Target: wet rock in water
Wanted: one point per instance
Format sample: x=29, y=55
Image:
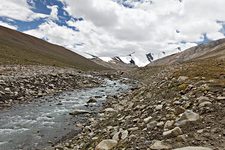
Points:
x=60, y=103
x=98, y=96
x=121, y=135
x=193, y=148
x=187, y=116
x=173, y=133
x=78, y=112
x=92, y=100
x=159, y=145
x=106, y=145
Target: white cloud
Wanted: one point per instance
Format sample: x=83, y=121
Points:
x=54, y=12
x=19, y=10
x=110, y=29
x=4, y=24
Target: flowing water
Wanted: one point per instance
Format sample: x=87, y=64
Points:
x=39, y=124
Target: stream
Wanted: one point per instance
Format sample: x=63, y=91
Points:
x=44, y=122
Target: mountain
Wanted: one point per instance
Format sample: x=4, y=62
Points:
x=214, y=49
x=114, y=63
x=19, y=48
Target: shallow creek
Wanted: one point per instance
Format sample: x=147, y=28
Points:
x=44, y=122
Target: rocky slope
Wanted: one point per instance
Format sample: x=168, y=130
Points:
x=214, y=49
x=175, y=107
x=19, y=48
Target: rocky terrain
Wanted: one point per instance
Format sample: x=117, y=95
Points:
x=20, y=84
x=213, y=49
x=175, y=107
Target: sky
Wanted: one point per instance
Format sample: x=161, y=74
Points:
x=108, y=28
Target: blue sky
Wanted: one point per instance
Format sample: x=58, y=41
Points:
x=41, y=6
x=108, y=28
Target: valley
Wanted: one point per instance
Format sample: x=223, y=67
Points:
x=63, y=101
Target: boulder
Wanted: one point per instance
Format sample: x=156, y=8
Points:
x=182, y=78
x=106, y=145
x=193, y=148
x=204, y=104
x=159, y=145
x=173, y=133
x=187, y=116
x=221, y=98
x=121, y=135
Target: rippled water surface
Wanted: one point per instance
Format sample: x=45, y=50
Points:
x=40, y=123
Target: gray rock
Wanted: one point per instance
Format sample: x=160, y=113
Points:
x=133, y=129
x=202, y=99
x=106, y=145
x=158, y=107
x=92, y=100
x=193, y=148
x=204, y=104
x=182, y=78
x=146, y=120
x=78, y=112
x=110, y=110
x=221, y=98
x=187, y=116
x=159, y=145
x=121, y=135
x=168, y=125
x=173, y=133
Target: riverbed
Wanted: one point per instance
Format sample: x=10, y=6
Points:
x=47, y=120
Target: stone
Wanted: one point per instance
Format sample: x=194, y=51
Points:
x=179, y=110
x=110, y=110
x=159, y=145
x=7, y=89
x=92, y=100
x=133, y=129
x=173, y=133
x=121, y=135
x=204, y=104
x=106, y=145
x=158, y=107
x=202, y=99
x=193, y=148
x=182, y=78
x=159, y=124
x=220, y=98
x=168, y=125
x=146, y=120
x=78, y=112
x=187, y=116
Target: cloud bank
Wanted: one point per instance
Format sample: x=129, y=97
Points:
x=117, y=27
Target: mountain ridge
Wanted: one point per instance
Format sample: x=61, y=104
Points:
x=212, y=49
x=19, y=48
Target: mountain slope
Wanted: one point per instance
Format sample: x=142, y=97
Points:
x=19, y=48
x=115, y=63
x=214, y=49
